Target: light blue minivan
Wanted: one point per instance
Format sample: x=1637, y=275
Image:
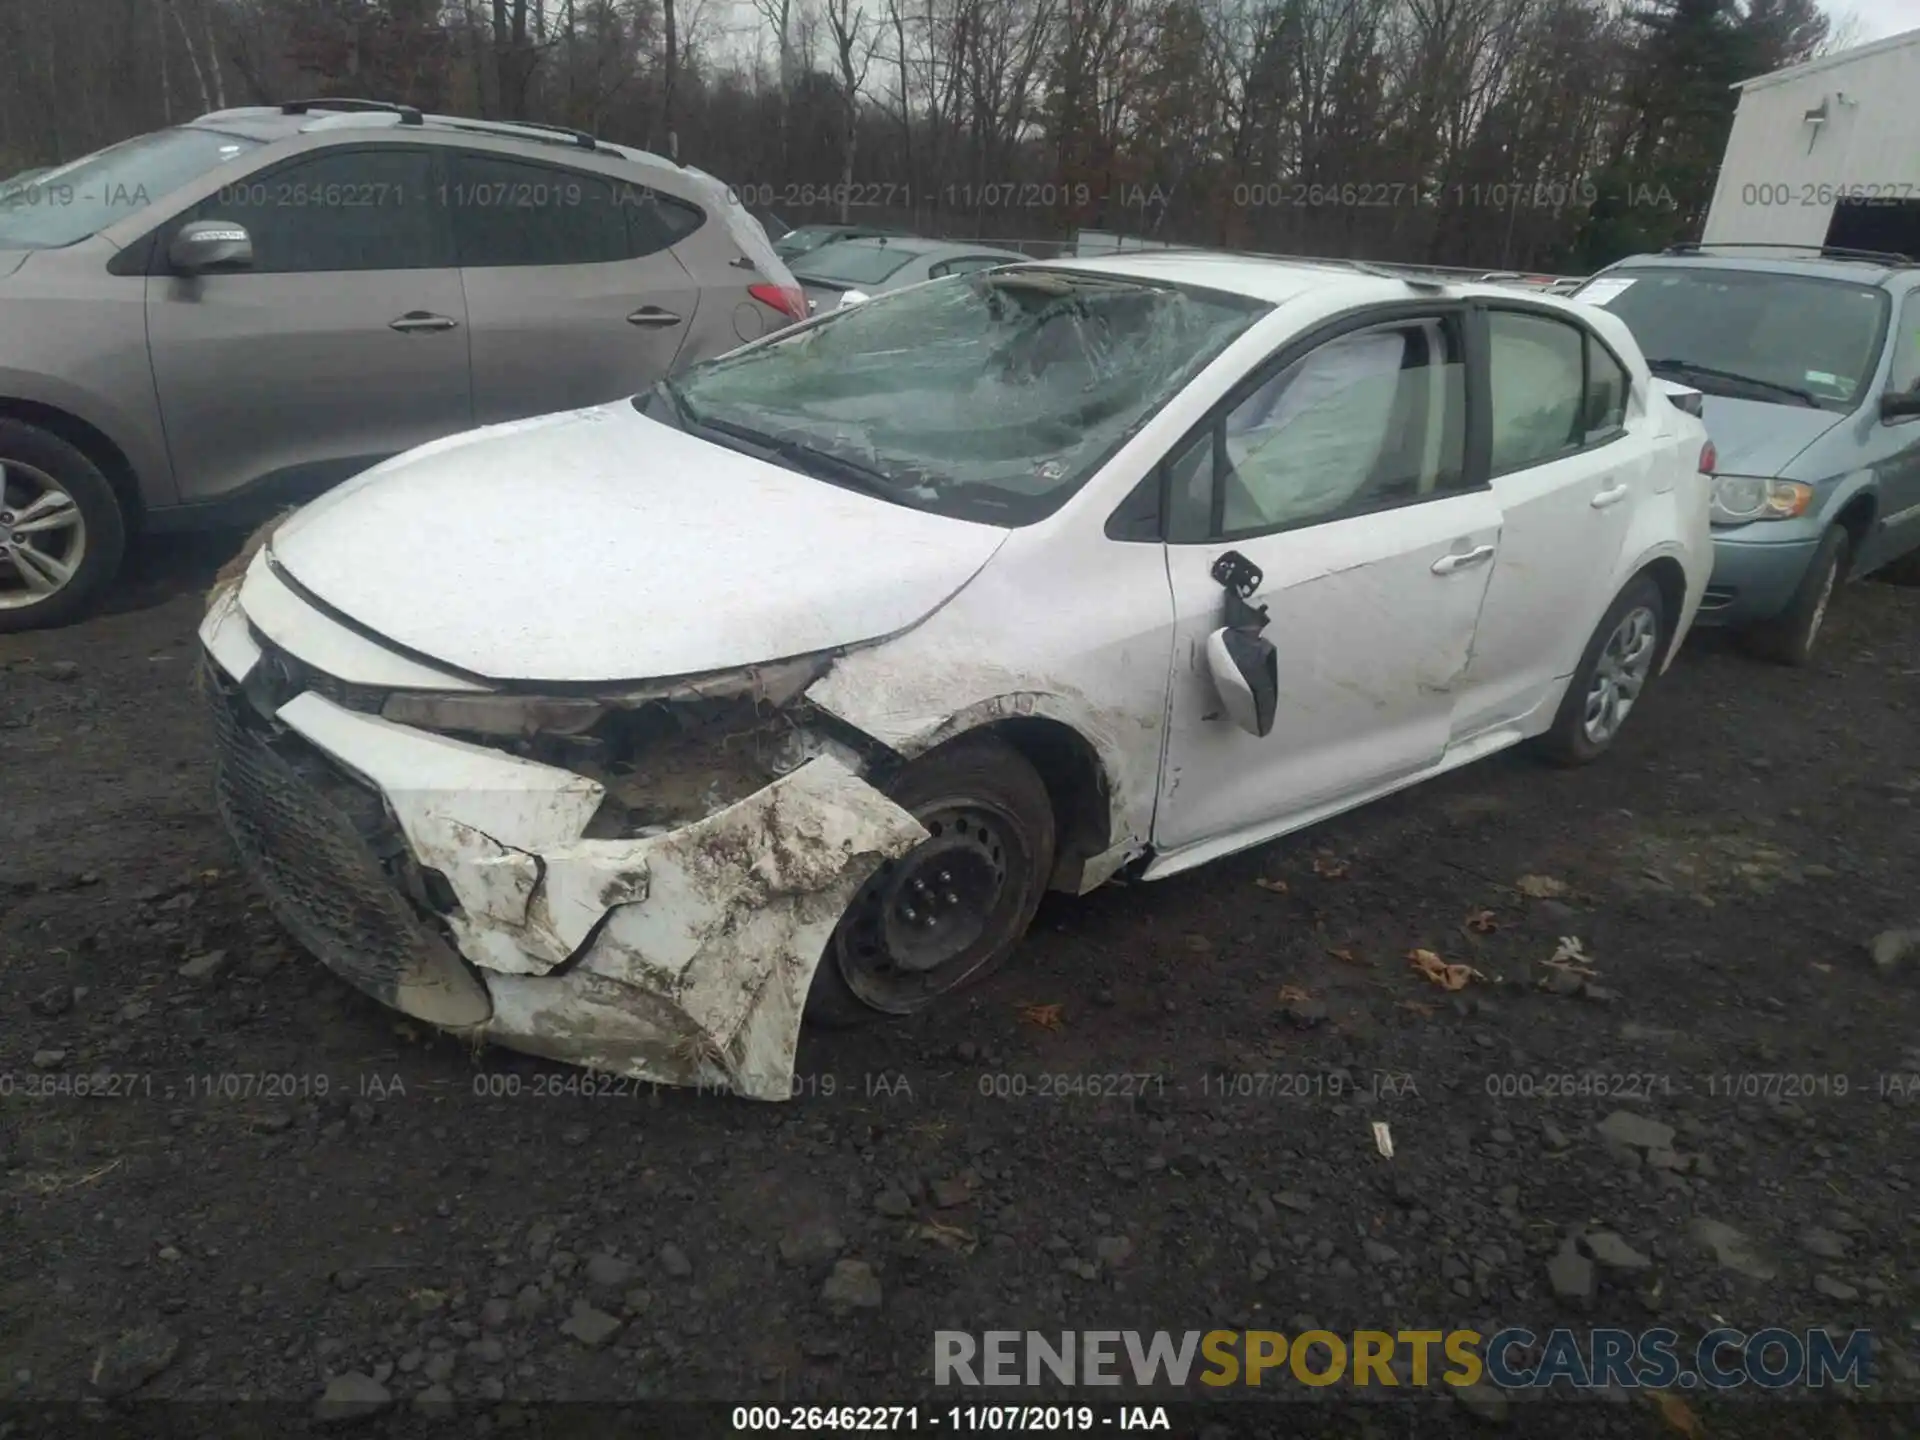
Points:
x=1809, y=366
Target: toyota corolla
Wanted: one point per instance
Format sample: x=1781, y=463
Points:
x=634, y=736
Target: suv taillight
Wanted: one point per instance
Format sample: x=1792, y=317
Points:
x=1709, y=461
x=789, y=300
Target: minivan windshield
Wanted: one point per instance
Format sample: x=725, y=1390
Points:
x=65, y=205
x=1752, y=334
x=988, y=397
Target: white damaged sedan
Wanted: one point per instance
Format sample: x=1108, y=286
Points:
x=634, y=735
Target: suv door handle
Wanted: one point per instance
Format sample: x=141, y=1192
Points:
x=1447, y=564
x=417, y=320
x=1613, y=495
x=653, y=315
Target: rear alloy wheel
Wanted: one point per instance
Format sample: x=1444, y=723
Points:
x=952, y=909
x=61, y=531
x=1789, y=637
x=1620, y=662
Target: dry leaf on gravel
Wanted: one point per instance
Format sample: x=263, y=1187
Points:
x=1483, y=922
x=1571, y=957
x=1278, y=887
x=1327, y=868
x=1293, y=995
x=1678, y=1415
x=1541, y=887
x=1346, y=956
x=1047, y=1017
x=1199, y=944
x=1447, y=977
x=950, y=1237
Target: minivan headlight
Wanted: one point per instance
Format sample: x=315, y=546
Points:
x=1740, y=499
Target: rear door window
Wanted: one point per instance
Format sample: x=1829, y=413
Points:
x=512, y=212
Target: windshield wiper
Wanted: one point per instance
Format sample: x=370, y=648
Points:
x=853, y=474
x=1734, y=377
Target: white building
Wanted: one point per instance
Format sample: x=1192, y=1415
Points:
x=1827, y=153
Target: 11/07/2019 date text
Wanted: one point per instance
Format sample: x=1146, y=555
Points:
x=903, y=1419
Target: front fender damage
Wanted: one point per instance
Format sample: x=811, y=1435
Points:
x=696, y=948
x=680, y=954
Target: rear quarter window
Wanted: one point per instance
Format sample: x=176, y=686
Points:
x=655, y=220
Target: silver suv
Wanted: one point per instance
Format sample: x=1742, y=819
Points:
x=204, y=323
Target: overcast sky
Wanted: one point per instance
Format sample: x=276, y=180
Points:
x=1875, y=19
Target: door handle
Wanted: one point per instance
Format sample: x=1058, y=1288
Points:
x=1613, y=495
x=653, y=315
x=420, y=320
x=1447, y=564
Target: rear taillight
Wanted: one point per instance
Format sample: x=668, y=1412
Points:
x=789, y=300
x=1709, y=462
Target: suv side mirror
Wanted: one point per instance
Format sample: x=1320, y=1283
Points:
x=207, y=245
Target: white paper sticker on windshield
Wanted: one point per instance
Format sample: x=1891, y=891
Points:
x=1821, y=377
x=1601, y=291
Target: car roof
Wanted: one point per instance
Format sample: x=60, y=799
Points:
x=1862, y=269
x=979, y=247
x=1259, y=278
x=850, y=231
x=1343, y=282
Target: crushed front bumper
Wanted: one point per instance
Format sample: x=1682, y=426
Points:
x=451, y=882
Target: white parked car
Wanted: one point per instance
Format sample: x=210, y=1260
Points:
x=631, y=735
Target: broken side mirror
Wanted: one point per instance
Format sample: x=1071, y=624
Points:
x=205, y=245
x=1244, y=665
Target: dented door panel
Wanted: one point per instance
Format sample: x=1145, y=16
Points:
x=1371, y=644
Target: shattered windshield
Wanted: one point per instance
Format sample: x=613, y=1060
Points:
x=987, y=397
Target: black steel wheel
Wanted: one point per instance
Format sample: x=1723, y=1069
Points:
x=953, y=908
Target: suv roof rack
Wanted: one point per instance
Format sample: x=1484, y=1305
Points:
x=347, y=105
x=1824, y=252
x=535, y=130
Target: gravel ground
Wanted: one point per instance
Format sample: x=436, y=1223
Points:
x=1159, y=1117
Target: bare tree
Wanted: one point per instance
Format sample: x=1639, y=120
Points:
x=853, y=42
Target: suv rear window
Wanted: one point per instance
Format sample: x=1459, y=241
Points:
x=1753, y=334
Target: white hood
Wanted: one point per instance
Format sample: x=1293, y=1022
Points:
x=599, y=545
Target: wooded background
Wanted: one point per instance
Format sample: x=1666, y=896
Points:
x=1523, y=134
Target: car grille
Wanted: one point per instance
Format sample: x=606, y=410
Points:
x=313, y=839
